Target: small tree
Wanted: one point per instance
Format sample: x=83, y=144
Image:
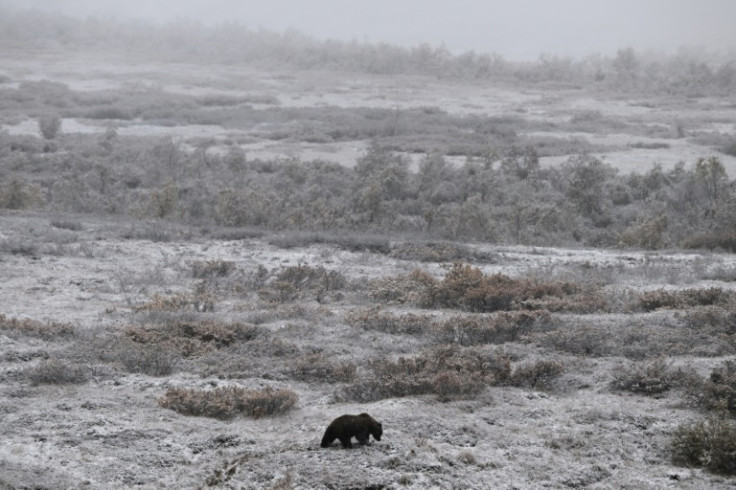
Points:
x=49, y=125
x=711, y=174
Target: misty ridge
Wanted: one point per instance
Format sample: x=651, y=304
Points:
x=691, y=71
x=396, y=156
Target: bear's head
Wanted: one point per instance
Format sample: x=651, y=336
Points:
x=377, y=431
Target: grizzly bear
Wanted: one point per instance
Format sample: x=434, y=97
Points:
x=346, y=427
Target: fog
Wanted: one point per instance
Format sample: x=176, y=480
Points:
x=517, y=30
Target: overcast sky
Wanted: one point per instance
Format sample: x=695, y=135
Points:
x=516, y=29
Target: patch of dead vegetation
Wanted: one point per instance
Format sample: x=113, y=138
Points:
x=467, y=288
x=34, y=328
x=228, y=401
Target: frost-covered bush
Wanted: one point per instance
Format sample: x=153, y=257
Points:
x=720, y=390
x=49, y=126
x=538, y=375
x=709, y=443
x=57, y=372
x=319, y=367
x=651, y=379
x=446, y=371
x=228, y=401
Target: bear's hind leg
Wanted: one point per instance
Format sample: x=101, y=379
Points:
x=346, y=442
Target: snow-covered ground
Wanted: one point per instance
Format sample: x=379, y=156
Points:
x=109, y=432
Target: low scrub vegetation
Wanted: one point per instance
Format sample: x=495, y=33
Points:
x=445, y=371
x=653, y=378
x=538, y=375
x=153, y=360
x=57, y=372
x=465, y=287
x=204, y=269
x=719, y=391
x=709, y=443
x=418, y=270
x=229, y=401
x=653, y=300
x=294, y=282
x=397, y=324
x=191, y=337
x=322, y=368
x=33, y=328
x=199, y=301
x=491, y=329
x=440, y=252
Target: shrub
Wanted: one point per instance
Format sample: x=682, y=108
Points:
x=203, y=269
x=303, y=278
x=652, y=379
x=191, y=337
x=725, y=240
x=730, y=149
x=539, y=375
x=49, y=126
x=201, y=302
x=654, y=145
x=18, y=247
x=409, y=288
x=351, y=242
x=491, y=329
x=110, y=112
x=711, y=319
x=450, y=384
x=653, y=300
x=153, y=360
x=67, y=225
x=35, y=328
x=467, y=288
x=17, y=194
x=318, y=367
x=446, y=371
x=440, y=252
x=229, y=401
x=55, y=371
x=709, y=443
x=648, y=234
x=406, y=324
x=152, y=232
x=720, y=390
x=584, y=340
x=291, y=282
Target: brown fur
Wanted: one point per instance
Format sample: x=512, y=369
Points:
x=345, y=427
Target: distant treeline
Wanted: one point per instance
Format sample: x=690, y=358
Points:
x=505, y=198
x=693, y=72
